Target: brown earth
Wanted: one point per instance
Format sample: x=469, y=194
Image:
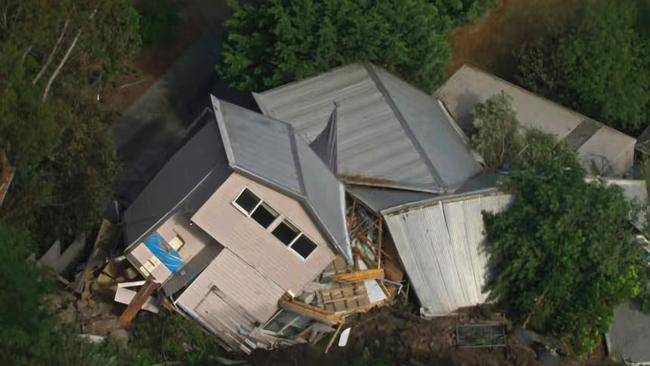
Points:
x=392, y=337
x=489, y=41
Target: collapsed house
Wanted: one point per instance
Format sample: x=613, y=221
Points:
x=407, y=162
x=603, y=150
x=238, y=227
x=246, y=228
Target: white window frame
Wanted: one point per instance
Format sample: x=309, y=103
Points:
x=279, y=333
x=290, y=245
x=243, y=210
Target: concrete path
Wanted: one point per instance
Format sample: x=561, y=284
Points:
x=155, y=126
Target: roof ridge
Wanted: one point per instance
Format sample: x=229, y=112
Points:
x=369, y=67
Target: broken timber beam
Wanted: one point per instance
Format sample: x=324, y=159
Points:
x=137, y=303
x=369, y=274
x=6, y=175
x=310, y=311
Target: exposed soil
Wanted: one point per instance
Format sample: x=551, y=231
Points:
x=489, y=41
x=400, y=339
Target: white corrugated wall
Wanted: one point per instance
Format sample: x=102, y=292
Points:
x=441, y=247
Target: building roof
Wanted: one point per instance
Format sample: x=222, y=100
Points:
x=628, y=336
x=386, y=200
x=269, y=151
x=441, y=244
x=262, y=148
x=183, y=184
x=389, y=133
x=602, y=149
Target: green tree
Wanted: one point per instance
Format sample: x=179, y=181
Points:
x=564, y=252
x=499, y=137
x=599, y=66
x=462, y=11
x=55, y=57
x=273, y=42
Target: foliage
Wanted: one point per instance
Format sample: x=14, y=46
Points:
x=273, y=42
x=159, y=21
x=55, y=133
x=462, y=11
x=172, y=338
x=501, y=140
x=498, y=137
x=599, y=66
x=564, y=251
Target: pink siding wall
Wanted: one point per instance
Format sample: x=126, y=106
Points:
x=238, y=281
x=256, y=245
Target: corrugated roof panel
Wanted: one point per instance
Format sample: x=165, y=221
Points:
x=325, y=195
x=375, y=146
x=444, y=145
x=441, y=246
x=259, y=146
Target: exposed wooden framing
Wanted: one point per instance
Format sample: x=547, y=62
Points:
x=310, y=311
x=136, y=304
x=336, y=334
x=380, y=235
x=369, y=274
x=346, y=298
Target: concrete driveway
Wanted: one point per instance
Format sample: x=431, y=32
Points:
x=155, y=126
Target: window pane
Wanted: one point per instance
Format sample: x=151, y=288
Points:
x=247, y=200
x=280, y=321
x=304, y=246
x=264, y=215
x=285, y=232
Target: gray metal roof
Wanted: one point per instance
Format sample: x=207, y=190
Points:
x=268, y=150
x=628, y=336
x=386, y=200
x=183, y=184
x=442, y=247
x=390, y=134
x=324, y=145
x=602, y=149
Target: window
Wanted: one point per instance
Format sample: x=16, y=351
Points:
x=264, y=215
x=255, y=208
x=303, y=246
x=288, y=324
x=247, y=201
x=294, y=239
x=286, y=233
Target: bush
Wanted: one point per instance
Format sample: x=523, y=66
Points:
x=462, y=11
x=273, y=42
x=564, y=251
x=159, y=21
x=600, y=66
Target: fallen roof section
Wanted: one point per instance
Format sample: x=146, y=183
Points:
x=441, y=244
x=602, y=149
x=390, y=134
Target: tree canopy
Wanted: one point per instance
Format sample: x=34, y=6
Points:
x=501, y=140
x=564, y=253
x=55, y=58
x=599, y=66
x=276, y=41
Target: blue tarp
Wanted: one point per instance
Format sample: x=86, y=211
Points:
x=163, y=251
